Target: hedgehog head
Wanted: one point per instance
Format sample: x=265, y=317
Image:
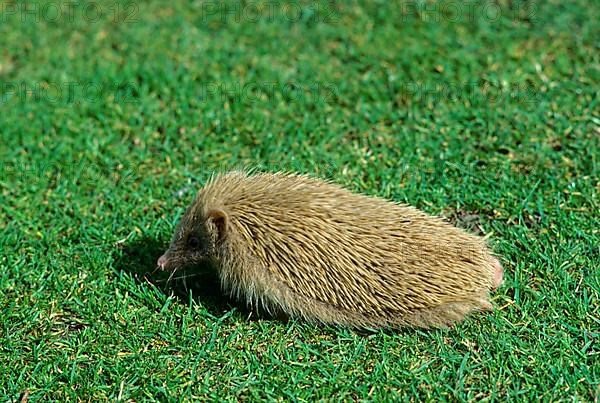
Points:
x=195, y=239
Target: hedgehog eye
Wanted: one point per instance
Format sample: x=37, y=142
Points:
x=193, y=242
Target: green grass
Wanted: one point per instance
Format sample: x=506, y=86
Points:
x=489, y=117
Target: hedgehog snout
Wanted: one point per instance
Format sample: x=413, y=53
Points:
x=162, y=262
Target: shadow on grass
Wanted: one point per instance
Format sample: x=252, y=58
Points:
x=138, y=258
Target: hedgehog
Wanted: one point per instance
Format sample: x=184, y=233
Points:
x=308, y=248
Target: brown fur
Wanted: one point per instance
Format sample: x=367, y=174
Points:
x=315, y=250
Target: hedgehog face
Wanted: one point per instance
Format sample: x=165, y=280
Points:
x=194, y=241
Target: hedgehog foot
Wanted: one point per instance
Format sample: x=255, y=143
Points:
x=498, y=273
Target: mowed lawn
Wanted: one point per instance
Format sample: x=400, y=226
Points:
x=113, y=114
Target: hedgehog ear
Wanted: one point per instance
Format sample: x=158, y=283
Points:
x=219, y=218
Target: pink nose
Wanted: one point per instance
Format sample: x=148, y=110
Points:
x=162, y=261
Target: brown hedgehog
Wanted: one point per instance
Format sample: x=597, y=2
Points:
x=311, y=249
